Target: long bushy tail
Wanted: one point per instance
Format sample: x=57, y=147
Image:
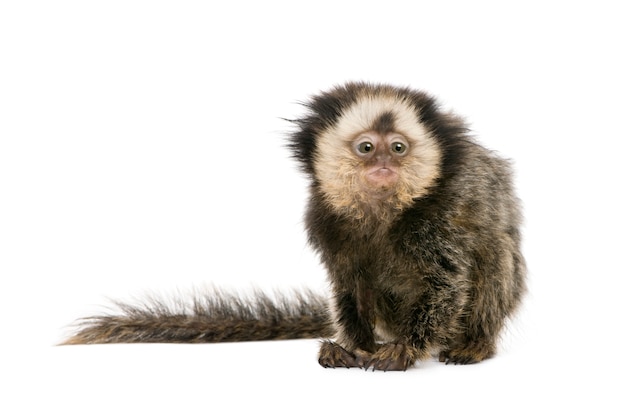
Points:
x=209, y=318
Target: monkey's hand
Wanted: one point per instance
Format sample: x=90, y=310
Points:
x=392, y=356
x=332, y=355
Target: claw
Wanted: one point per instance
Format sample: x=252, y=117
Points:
x=392, y=357
x=468, y=353
x=332, y=355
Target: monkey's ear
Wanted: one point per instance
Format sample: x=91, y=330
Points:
x=302, y=144
x=323, y=111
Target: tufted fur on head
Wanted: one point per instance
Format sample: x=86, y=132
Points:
x=336, y=117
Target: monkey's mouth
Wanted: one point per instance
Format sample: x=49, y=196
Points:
x=382, y=177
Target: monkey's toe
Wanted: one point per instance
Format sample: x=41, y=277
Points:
x=472, y=353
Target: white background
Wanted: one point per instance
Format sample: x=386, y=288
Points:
x=142, y=148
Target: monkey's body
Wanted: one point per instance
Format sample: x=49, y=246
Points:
x=416, y=224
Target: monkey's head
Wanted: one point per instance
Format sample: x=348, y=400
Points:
x=370, y=148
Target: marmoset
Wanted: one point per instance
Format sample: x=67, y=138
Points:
x=416, y=224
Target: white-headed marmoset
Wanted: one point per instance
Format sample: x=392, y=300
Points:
x=418, y=228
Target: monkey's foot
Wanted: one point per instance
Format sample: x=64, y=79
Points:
x=471, y=353
x=392, y=356
x=332, y=355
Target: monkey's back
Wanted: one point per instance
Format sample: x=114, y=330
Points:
x=472, y=219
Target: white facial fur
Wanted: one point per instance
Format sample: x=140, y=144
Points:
x=341, y=172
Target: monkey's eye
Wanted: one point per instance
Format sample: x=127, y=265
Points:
x=365, y=147
x=398, y=147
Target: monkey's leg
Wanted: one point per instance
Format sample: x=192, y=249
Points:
x=477, y=342
x=487, y=311
x=432, y=319
x=472, y=351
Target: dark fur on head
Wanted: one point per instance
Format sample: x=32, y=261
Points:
x=325, y=109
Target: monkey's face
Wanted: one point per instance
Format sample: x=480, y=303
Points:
x=381, y=155
x=376, y=154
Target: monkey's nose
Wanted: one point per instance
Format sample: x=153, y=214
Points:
x=382, y=156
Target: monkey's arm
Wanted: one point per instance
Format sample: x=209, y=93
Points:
x=353, y=316
x=419, y=317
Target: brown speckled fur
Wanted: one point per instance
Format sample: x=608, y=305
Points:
x=442, y=273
